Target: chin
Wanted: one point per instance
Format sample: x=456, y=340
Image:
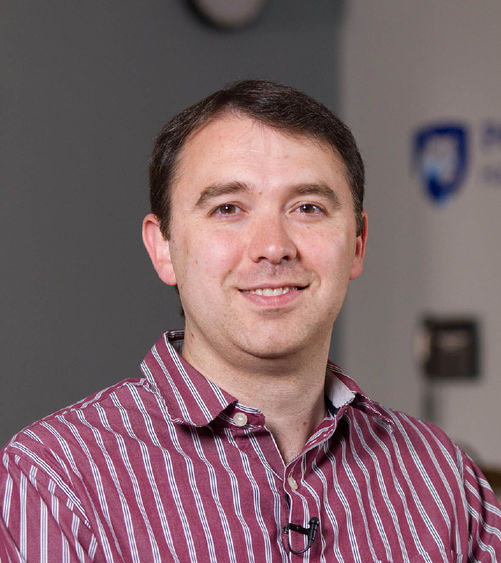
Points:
x=274, y=348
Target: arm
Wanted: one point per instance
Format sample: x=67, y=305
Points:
x=38, y=522
x=484, y=515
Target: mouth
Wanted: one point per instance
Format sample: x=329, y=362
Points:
x=272, y=291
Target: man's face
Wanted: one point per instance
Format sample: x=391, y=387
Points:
x=262, y=241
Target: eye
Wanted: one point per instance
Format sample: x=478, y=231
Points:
x=309, y=208
x=226, y=209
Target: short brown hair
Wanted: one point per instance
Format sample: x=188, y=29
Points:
x=276, y=105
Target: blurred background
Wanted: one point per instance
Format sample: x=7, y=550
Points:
x=86, y=87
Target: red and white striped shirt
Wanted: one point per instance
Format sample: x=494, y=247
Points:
x=168, y=467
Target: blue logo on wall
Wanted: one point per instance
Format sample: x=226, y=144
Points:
x=441, y=156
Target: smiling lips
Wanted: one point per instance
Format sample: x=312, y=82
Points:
x=271, y=291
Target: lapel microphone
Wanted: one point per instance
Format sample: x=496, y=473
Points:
x=310, y=532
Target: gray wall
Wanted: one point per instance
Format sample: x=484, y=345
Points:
x=85, y=88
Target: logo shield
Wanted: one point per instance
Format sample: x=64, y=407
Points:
x=441, y=156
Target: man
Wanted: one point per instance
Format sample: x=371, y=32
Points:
x=240, y=442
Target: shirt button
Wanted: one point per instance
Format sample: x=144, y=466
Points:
x=292, y=483
x=240, y=419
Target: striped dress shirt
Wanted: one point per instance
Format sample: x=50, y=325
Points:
x=168, y=467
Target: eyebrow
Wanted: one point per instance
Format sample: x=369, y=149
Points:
x=216, y=190
x=320, y=189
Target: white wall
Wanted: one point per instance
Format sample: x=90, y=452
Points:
x=405, y=63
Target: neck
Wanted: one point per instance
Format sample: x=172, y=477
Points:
x=288, y=391
x=293, y=415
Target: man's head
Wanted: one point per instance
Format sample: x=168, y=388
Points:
x=275, y=105
x=259, y=230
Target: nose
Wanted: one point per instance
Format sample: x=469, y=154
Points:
x=270, y=240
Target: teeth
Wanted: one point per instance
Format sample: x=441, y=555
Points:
x=271, y=292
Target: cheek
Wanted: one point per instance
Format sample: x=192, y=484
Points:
x=211, y=257
x=332, y=257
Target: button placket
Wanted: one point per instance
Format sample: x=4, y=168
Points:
x=298, y=521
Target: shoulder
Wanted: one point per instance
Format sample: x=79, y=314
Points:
x=416, y=453
x=425, y=458
x=420, y=448
x=55, y=444
x=414, y=434
x=394, y=432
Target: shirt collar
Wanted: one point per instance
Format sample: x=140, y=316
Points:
x=189, y=396
x=192, y=399
x=341, y=391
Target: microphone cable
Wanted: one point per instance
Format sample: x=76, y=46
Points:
x=310, y=532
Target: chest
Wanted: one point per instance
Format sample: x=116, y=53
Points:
x=225, y=496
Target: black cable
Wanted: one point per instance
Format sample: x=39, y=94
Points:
x=310, y=531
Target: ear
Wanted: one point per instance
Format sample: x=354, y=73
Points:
x=158, y=249
x=358, y=260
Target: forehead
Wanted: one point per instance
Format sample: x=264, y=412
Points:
x=239, y=144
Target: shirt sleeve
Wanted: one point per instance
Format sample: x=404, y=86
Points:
x=484, y=515
x=38, y=522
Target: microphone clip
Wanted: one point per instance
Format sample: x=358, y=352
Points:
x=310, y=532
